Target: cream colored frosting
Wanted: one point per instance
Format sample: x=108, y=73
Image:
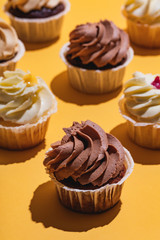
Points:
x=8, y=41
x=142, y=99
x=29, y=5
x=143, y=11
x=24, y=98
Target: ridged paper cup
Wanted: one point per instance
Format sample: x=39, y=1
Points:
x=143, y=134
x=39, y=29
x=24, y=136
x=95, y=81
x=11, y=64
x=97, y=200
x=144, y=35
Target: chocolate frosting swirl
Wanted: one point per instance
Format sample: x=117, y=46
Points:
x=86, y=154
x=101, y=43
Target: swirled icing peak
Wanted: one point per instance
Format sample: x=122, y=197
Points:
x=143, y=11
x=86, y=154
x=101, y=43
x=24, y=98
x=142, y=97
x=29, y=5
x=8, y=41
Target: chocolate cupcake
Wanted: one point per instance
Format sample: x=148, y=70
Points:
x=11, y=48
x=96, y=57
x=88, y=167
x=38, y=20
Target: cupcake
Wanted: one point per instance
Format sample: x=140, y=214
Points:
x=96, y=57
x=143, y=22
x=140, y=106
x=11, y=48
x=26, y=104
x=88, y=167
x=38, y=20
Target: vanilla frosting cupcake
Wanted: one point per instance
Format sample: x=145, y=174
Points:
x=88, y=167
x=38, y=20
x=26, y=105
x=96, y=57
x=143, y=22
x=11, y=49
x=140, y=105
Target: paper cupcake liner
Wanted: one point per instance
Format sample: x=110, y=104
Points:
x=95, y=81
x=143, y=134
x=143, y=34
x=39, y=30
x=93, y=201
x=11, y=64
x=25, y=136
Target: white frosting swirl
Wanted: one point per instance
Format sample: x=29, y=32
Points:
x=142, y=99
x=24, y=98
x=143, y=11
x=8, y=41
x=29, y=5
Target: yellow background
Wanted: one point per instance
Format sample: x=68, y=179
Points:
x=29, y=207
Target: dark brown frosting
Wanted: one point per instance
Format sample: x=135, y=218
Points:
x=86, y=154
x=101, y=43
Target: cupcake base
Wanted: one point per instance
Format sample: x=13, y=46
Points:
x=11, y=64
x=39, y=29
x=24, y=136
x=95, y=81
x=97, y=200
x=144, y=134
x=144, y=35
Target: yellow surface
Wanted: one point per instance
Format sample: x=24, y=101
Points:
x=29, y=207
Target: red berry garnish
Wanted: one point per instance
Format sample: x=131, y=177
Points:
x=156, y=82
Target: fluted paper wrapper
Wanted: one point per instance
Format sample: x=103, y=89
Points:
x=143, y=34
x=95, y=81
x=24, y=136
x=11, y=64
x=93, y=201
x=144, y=134
x=39, y=29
